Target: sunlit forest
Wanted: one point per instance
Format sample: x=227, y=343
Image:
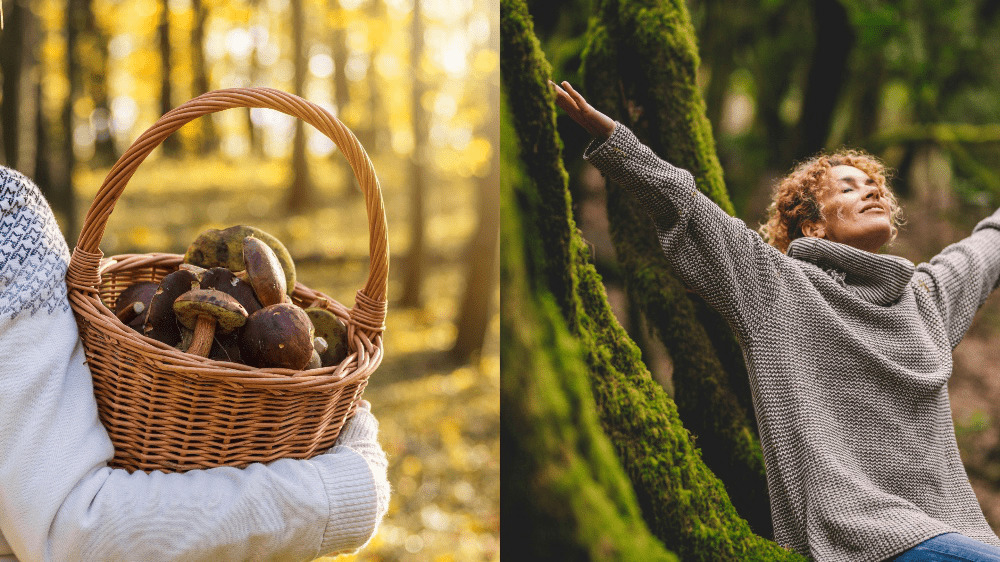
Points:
x=417, y=81
x=646, y=413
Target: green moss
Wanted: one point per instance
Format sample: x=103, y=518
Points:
x=565, y=494
x=683, y=503
x=640, y=67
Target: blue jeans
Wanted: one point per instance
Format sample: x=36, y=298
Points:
x=950, y=547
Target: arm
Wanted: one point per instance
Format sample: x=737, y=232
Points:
x=714, y=254
x=963, y=275
x=60, y=501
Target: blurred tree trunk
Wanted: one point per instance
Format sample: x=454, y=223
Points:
x=644, y=76
x=683, y=503
x=372, y=133
x=476, y=309
x=58, y=186
x=209, y=136
x=341, y=90
x=95, y=43
x=300, y=193
x=254, y=136
x=12, y=54
x=171, y=144
x=827, y=74
x=413, y=278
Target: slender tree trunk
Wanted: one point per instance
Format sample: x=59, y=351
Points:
x=11, y=63
x=300, y=193
x=683, y=503
x=254, y=136
x=827, y=74
x=341, y=90
x=644, y=76
x=476, y=309
x=171, y=144
x=95, y=42
x=372, y=133
x=413, y=279
x=209, y=137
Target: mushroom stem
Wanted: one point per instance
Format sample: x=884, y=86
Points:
x=204, y=334
x=129, y=313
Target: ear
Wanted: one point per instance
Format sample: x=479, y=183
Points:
x=814, y=229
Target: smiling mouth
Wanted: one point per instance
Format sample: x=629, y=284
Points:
x=878, y=208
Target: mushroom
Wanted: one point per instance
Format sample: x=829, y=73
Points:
x=225, y=248
x=221, y=279
x=279, y=335
x=133, y=302
x=263, y=272
x=332, y=330
x=161, y=323
x=204, y=311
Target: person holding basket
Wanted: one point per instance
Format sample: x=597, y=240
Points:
x=59, y=500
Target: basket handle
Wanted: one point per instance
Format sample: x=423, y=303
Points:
x=370, y=303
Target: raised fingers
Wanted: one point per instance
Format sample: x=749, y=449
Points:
x=577, y=98
x=563, y=99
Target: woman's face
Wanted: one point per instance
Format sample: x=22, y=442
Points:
x=855, y=212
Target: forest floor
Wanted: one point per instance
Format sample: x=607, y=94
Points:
x=439, y=420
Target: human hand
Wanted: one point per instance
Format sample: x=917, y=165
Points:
x=569, y=100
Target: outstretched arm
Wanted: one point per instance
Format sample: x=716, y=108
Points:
x=963, y=275
x=60, y=501
x=715, y=254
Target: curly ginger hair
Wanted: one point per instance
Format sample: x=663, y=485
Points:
x=796, y=199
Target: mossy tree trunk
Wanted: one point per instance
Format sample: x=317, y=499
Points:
x=640, y=67
x=565, y=495
x=682, y=502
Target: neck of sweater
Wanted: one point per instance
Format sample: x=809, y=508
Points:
x=876, y=278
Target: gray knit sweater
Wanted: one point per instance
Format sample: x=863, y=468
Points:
x=849, y=355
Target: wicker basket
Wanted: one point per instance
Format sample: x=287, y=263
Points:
x=172, y=411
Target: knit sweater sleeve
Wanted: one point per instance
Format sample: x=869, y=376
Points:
x=60, y=501
x=713, y=253
x=963, y=275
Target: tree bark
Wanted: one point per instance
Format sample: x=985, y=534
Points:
x=564, y=492
x=640, y=67
x=476, y=310
x=413, y=279
x=300, y=193
x=209, y=138
x=683, y=503
x=171, y=144
x=12, y=49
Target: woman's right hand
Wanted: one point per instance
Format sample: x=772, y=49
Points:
x=596, y=123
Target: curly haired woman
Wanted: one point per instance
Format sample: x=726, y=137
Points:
x=848, y=350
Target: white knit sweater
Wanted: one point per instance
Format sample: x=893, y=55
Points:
x=60, y=501
x=849, y=354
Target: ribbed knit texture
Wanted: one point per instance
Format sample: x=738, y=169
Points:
x=849, y=354
x=59, y=500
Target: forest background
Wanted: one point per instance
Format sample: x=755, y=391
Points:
x=418, y=83
x=737, y=92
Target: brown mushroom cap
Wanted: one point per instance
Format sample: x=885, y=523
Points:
x=228, y=313
x=279, y=335
x=161, y=323
x=264, y=271
x=207, y=311
x=330, y=328
x=136, y=294
x=222, y=279
x=225, y=248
